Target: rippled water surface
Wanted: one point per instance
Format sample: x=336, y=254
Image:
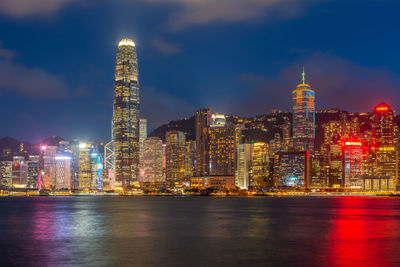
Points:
x=201, y=231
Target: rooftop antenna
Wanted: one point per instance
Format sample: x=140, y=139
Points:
x=303, y=74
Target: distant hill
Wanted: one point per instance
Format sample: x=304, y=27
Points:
x=9, y=143
x=187, y=125
x=10, y=146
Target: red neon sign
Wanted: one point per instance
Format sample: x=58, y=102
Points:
x=382, y=107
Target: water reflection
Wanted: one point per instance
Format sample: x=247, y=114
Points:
x=155, y=231
x=364, y=231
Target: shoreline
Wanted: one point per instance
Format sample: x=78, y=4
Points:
x=267, y=195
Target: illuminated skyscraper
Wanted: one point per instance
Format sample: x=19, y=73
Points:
x=152, y=161
x=33, y=171
x=222, y=147
x=97, y=169
x=190, y=158
x=303, y=117
x=203, y=121
x=382, y=126
x=175, y=156
x=386, y=156
x=259, y=165
x=19, y=172
x=109, y=158
x=142, y=134
x=48, y=174
x=63, y=172
x=242, y=177
x=352, y=164
x=335, y=162
x=5, y=173
x=125, y=123
x=292, y=169
x=85, y=168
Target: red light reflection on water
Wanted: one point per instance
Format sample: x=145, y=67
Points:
x=365, y=231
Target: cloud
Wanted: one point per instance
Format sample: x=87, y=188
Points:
x=198, y=12
x=5, y=53
x=165, y=47
x=337, y=82
x=21, y=8
x=35, y=83
x=161, y=107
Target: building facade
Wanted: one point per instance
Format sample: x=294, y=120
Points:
x=142, y=134
x=303, y=117
x=352, y=164
x=222, y=148
x=125, y=123
x=203, y=122
x=175, y=157
x=384, y=150
x=152, y=161
x=242, y=176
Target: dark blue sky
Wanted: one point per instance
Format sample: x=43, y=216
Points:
x=238, y=56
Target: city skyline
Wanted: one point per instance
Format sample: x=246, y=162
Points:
x=199, y=132
x=256, y=57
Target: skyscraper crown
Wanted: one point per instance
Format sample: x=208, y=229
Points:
x=126, y=41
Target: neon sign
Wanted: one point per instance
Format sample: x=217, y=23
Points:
x=382, y=108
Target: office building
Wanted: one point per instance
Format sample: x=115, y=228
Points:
x=303, y=117
x=259, y=169
x=125, y=122
x=142, y=134
x=175, y=157
x=33, y=171
x=222, y=148
x=63, y=172
x=151, y=171
x=383, y=146
x=292, y=169
x=244, y=155
x=85, y=167
x=203, y=122
x=352, y=164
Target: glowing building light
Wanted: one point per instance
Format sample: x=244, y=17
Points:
x=386, y=148
x=82, y=145
x=43, y=147
x=126, y=42
x=382, y=108
x=353, y=144
x=62, y=158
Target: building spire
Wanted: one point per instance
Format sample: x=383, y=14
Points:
x=303, y=74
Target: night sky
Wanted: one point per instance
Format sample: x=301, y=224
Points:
x=240, y=57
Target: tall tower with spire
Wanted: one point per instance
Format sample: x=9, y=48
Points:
x=125, y=122
x=303, y=116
